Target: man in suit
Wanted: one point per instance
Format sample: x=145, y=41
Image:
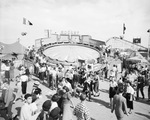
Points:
x=140, y=85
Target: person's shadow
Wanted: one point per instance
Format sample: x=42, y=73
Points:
x=18, y=113
x=106, y=104
x=104, y=90
x=143, y=101
x=92, y=119
x=147, y=116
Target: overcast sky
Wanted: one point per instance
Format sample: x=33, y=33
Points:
x=102, y=19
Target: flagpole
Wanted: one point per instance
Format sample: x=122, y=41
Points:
x=47, y=31
x=148, y=44
x=124, y=28
x=1, y=49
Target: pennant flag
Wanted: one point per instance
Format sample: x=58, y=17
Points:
x=30, y=23
x=124, y=28
x=27, y=22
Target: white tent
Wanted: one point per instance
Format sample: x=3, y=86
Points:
x=138, y=59
x=7, y=50
x=7, y=57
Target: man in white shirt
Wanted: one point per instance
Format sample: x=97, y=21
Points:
x=115, y=70
x=26, y=110
x=37, y=66
x=24, y=78
x=43, y=70
x=42, y=60
x=3, y=69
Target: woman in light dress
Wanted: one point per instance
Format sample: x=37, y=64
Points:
x=67, y=104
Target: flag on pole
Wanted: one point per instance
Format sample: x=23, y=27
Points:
x=27, y=22
x=124, y=28
x=136, y=40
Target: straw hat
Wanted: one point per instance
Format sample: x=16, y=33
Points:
x=36, y=84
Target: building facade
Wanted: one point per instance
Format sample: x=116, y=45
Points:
x=74, y=38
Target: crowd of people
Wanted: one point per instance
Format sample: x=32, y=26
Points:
x=69, y=81
x=125, y=90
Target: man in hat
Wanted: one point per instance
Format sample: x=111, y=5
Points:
x=81, y=111
x=55, y=98
x=140, y=85
x=35, y=86
x=36, y=91
x=55, y=114
x=24, y=80
x=44, y=115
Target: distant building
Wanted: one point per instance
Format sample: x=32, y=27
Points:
x=116, y=42
x=70, y=48
x=73, y=38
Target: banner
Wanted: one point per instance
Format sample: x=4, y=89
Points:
x=136, y=40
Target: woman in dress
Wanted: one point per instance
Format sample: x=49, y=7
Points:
x=12, y=67
x=87, y=86
x=96, y=84
x=129, y=96
x=9, y=98
x=67, y=104
x=7, y=71
x=112, y=89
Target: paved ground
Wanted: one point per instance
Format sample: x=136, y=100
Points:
x=99, y=108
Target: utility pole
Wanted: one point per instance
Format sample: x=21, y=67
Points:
x=1, y=49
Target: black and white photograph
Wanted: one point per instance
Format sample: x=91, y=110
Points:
x=74, y=59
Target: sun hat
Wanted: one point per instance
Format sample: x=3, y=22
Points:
x=36, y=83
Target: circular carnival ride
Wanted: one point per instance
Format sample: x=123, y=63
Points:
x=71, y=53
x=72, y=49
